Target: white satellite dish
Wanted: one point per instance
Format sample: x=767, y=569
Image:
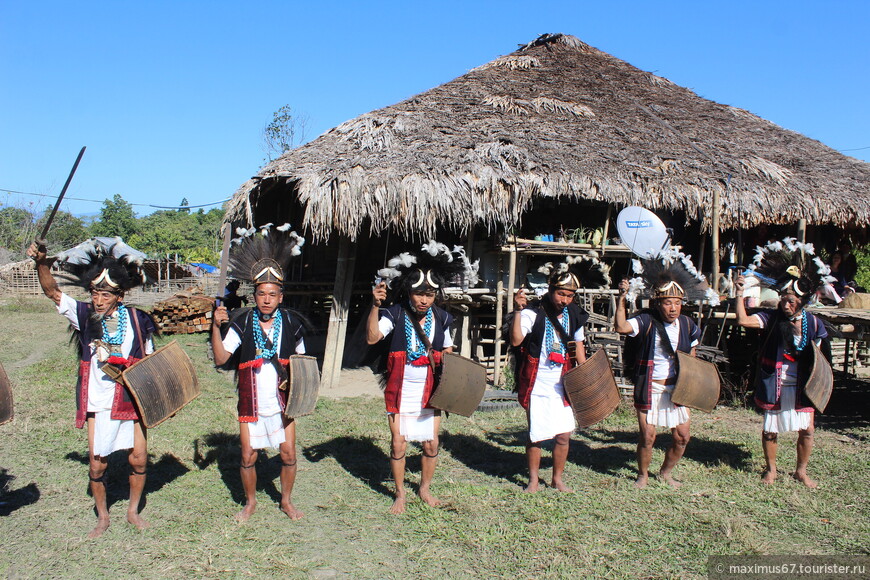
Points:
x=642, y=231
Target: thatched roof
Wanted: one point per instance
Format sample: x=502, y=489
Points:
x=557, y=119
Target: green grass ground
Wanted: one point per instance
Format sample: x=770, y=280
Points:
x=487, y=527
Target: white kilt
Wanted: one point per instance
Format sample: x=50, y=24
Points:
x=267, y=431
x=787, y=419
x=111, y=434
x=663, y=412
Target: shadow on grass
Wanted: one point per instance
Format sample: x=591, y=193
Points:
x=489, y=457
x=159, y=474
x=701, y=450
x=848, y=407
x=226, y=450
x=13, y=500
x=361, y=458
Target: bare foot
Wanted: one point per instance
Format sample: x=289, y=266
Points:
x=560, y=486
x=768, y=477
x=291, y=511
x=246, y=512
x=668, y=478
x=102, y=526
x=398, y=506
x=805, y=479
x=428, y=498
x=640, y=482
x=532, y=487
x=136, y=520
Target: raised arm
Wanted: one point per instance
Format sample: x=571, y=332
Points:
x=520, y=302
x=743, y=319
x=373, y=332
x=49, y=285
x=620, y=322
x=219, y=317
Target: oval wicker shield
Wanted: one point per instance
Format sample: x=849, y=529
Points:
x=5, y=397
x=162, y=383
x=462, y=385
x=820, y=383
x=592, y=390
x=698, y=383
x=303, y=386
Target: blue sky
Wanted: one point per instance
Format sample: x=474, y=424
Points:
x=171, y=97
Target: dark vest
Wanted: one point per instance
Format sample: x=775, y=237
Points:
x=689, y=332
x=123, y=407
x=245, y=360
x=770, y=357
x=398, y=353
x=529, y=353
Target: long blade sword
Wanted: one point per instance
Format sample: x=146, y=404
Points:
x=62, y=193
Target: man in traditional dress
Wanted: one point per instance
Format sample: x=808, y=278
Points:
x=418, y=334
x=658, y=333
x=257, y=342
x=110, y=337
x=785, y=356
x=544, y=334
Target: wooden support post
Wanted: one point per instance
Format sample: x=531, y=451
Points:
x=499, y=306
x=802, y=231
x=606, y=228
x=714, y=239
x=337, y=329
x=464, y=331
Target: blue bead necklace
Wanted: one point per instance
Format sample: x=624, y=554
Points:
x=551, y=342
x=803, y=341
x=116, y=339
x=420, y=348
x=260, y=336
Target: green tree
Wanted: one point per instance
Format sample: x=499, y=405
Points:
x=66, y=230
x=17, y=230
x=193, y=236
x=862, y=277
x=284, y=132
x=116, y=219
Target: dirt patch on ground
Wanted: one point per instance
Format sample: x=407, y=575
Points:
x=354, y=383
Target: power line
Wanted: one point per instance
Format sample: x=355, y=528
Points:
x=101, y=201
x=855, y=149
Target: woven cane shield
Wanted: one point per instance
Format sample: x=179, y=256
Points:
x=461, y=387
x=5, y=397
x=303, y=385
x=592, y=390
x=162, y=383
x=820, y=383
x=698, y=383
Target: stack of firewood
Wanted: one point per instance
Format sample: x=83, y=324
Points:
x=184, y=314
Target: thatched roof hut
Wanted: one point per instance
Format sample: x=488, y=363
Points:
x=555, y=119
x=549, y=134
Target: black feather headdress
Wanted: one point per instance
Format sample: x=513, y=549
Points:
x=261, y=255
x=669, y=274
x=104, y=264
x=790, y=267
x=584, y=271
x=433, y=268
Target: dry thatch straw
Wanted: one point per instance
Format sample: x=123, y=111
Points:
x=557, y=119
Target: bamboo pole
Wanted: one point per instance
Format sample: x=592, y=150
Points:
x=606, y=231
x=337, y=328
x=714, y=240
x=499, y=305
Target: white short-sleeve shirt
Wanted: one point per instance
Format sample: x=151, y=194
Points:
x=101, y=388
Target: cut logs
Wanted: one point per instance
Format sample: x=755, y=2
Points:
x=184, y=314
